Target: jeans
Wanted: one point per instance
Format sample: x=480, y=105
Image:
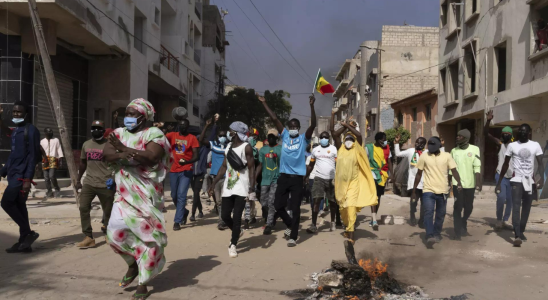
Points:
x=505, y=197
x=180, y=182
x=290, y=185
x=14, y=204
x=463, y=201
x=88, y=193
x=438, y=202
x=520, y=197
x=197, y=182
x=413, y=207
x=236, y=203
x=51, y=179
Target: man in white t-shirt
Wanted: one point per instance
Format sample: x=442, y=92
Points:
x=522, y=153
x=323, y=159
x=413, y=155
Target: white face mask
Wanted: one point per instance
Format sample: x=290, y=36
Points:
x=385, y=143
x=348, y=144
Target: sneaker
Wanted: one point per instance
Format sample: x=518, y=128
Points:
x=499, y=225
x=413, y=222
x=438, y=238
x=430, y=242
x=192, y=219
x=104, y=229
x=312, y=229
x=375, y=226
x=200, y=215
x=333, y=226
x=15, y=249
x=86, y=243
x=517, y=242
x=339, y=224
x=232, y=251
x=246, y=225
x=507, y=225
x=291, y=243
x=49, y=194
x=57, y=194
x=370, y=223
x=29, y=239
x=222, y=227
x=164, y=210
x=185, y=216
x=522, y=237
x=267, y=230
x=457, y=238
x=287, y=233
x=253, y=220
x=176, y=227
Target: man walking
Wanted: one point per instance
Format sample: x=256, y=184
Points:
x=20, y=167
x=380, y=160
x=53, y=161
x=95, y=183
x=435, y=166
x=185, y=153
x=522, y=154
x=413, y=155
x=292, y=169
x=505, y=195
x=269, y=169
x=324, y=156
x=467, y=158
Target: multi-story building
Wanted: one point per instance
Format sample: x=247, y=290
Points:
x=489, y=60
x=104, y=53
x=382, y=72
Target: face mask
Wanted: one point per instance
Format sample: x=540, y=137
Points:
x=324, y=142
x=348, y=144
x=131, y=123
x=293, y=132
x=385, y=143
x=97, y=134
x=18, y=120
x=506, y=138
x=222, y=140
x=229, y=137
x=252, y=141
x=272, y=142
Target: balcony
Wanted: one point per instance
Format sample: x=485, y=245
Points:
x=341, y=88
x=198, y=9
x=197, y=55
x=169, y=61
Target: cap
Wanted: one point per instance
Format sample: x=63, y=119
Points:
x=272, y=131
x=253, y=131
x=98, y=123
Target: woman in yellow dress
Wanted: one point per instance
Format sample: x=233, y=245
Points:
x=354, y=183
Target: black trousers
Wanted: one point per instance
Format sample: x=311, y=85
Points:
x=234, y=222
x=464, y=201
x=197, y=183
x=290, y=185
x=520, y=198
x=14, y=204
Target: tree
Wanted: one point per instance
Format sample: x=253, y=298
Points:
x=243, y=105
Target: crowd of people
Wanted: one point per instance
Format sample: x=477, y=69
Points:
x=126, y=168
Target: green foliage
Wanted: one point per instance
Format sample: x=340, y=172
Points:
x=243, y=105
x=391, y=134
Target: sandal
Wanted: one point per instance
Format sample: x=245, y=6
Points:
x=126, y=281
x=140, y=296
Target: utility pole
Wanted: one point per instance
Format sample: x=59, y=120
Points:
x=55, y=98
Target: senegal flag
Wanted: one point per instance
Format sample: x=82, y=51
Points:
x=322, y=86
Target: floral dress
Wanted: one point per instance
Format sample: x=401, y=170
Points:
x=136, y=229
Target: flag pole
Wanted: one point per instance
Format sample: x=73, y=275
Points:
x=316, y=82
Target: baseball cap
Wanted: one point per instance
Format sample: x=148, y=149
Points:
x=272, y=131
x=98, y=123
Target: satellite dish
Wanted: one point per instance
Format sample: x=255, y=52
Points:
x=179, y=113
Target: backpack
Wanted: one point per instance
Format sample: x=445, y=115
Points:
x=38, y=154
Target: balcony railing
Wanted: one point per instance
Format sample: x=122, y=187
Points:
x=197, y=55
x=198, y=9
x=169, y=61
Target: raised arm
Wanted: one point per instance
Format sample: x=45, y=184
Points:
x=488, y=136
x=354, y=132
x=202, y=135
x=399, y=153
x=272, y=115
x=335, y=134
x=115, y=151
x=310, y=129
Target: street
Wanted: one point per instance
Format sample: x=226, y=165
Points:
x=482, y=266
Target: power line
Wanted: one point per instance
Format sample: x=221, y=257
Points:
x=270, y=42
x=280, y=40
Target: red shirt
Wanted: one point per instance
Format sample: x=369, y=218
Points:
x=181, y=147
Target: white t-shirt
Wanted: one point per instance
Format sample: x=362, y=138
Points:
x=236, y=182
x=409, y=153
x=313, y=172
x=325, y=159
x=523, y=158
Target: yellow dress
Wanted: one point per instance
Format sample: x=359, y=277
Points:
x=354, y=183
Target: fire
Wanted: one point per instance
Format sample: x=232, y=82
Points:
x=374, y=269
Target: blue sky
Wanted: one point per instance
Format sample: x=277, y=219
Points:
x=319, y=34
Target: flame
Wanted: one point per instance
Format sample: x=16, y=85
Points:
x=374, y=269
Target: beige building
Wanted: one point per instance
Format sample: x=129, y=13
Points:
x=489, y=61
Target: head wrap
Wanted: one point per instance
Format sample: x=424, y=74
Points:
x=241, y=129
x=434, y=144
x=507, y=129
x=144, y=107
x=350, y=136
x=466, y=134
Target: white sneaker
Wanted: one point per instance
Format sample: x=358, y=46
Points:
x=232, y=251
x=333, y=226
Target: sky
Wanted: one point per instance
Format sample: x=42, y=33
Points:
x=319, y=34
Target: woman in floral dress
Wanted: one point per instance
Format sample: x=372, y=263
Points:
x=140, y=158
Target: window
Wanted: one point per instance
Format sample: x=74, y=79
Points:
x=400, y=119
x=428, y=112
x=470, y=69
x=454, y=82
x=471, y=8
x=443, y=82
x=156, y=16
x=414, y=114
x=538, y=17
x=500, y=69
x=195, y=110
x=138, y=31
x=443, y=14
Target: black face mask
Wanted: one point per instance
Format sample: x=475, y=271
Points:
x=97, y=134
x=506, y=138
x=272, y=141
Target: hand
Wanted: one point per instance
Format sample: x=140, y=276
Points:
x=114, y=141
x=252, y=196
x=442, y=142
x=26, y=187
x=497, y=189
x=459, y=188
x=343, y=123
x=413, y=196
x=78, y=186
x=390, y=178
x=129, y=155
x=397, y=139
x=216, y=117
x=211, y=190
x=540, y=184
x=261, y=98
x=208, y=122
x=312, y=100
x=183, y=162
x=334, y=110
x=489, y=115
x=478, y=188
x=45, y=163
